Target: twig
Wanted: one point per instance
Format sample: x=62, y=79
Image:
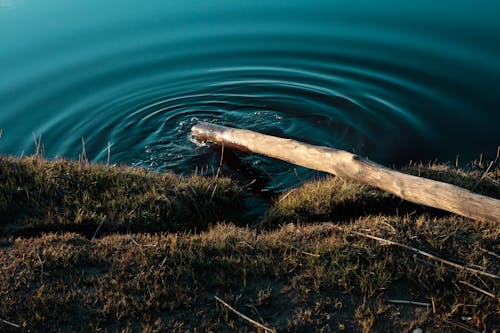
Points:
x=490, y=253
x=109, y=152
x=139, y=244
x=462, y=326
x=247, y=245
x=38, y=143
x=10, y=323
x=213, y=192
x=428, y=255
x=482, y=281
x=487, y=293
x=241, y=315
x=299, y=250
x=390, y=226
x=467, y=305
x=83, y=156
x=256, y=312
x=41, y=273
x=487, y=169
x=220, y=161
x=431, y=264
x=218, y=171
x=297, y=175
x=99, y=227
x=402, y=301
x=249, y=184
x=286, y=195
x=134, y=241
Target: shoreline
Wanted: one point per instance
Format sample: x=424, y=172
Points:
x=91, y=247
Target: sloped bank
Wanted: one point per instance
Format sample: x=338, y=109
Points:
x=37, y=195
x=310, y=269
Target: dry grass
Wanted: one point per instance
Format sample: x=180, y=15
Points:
x=36, y=196
x=481, y=180
x=337, y=199
x=317, y=274
x=331, y=198
x=168, y=281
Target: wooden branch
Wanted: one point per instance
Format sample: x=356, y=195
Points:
x=341, y=163
x=241, y=315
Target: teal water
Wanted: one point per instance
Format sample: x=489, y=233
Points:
x=392, y=80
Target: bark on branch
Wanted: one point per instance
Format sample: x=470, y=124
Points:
x=341, y=163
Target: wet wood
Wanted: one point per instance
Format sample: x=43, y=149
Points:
x=344, y=164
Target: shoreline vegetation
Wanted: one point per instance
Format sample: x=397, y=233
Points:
x=92, y=248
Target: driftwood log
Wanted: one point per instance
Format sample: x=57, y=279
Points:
x=344, y=164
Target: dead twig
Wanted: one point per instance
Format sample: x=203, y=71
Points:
x=299, y=250
x=83, y=155
x=394, y=230
x=99, y=227
x=38, y=144
x=485, y=292
x=134, y=241
x=220, y=161
x=487, y=169
x=218, y=171
x=297, y=175
x=286, y=195
x=241, y=315
x=462, y=326
x=491, y=253
x=10, y=323
x=109, y=152
x=426, y=254
x=139, y=244
x=41, y=265
x=249, y=184
x=402, y=301
x=247, y=245
x=254, y=309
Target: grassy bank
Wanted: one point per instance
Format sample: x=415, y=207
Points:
x=319, y=260
x=337, y=199
x=39, y=196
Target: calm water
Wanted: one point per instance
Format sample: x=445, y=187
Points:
x=389, y=80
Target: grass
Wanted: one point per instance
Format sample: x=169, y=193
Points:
x=310, y=269
x=37, y=195
x=334, y=198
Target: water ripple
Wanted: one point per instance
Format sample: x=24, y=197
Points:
x=382, y=88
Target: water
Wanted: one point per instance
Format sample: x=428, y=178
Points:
x=392, y=80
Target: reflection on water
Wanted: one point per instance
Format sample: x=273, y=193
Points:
x=391, y=81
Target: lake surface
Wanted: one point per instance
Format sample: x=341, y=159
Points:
x=392, y=80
